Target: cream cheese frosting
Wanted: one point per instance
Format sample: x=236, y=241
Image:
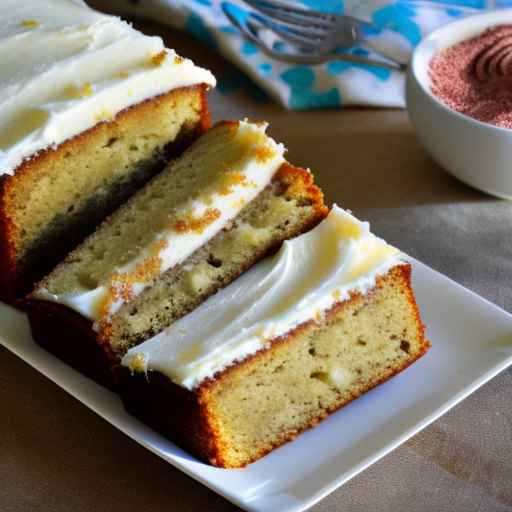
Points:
x=300, y=283
x=66, y=67
x=174, y=244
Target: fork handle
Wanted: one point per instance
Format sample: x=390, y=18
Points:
x=383, y=63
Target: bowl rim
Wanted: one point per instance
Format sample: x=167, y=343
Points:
x=480, y=22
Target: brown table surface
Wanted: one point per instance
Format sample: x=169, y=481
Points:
x=56, y=455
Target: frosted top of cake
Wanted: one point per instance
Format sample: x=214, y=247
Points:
x=308, y=276
x=66, y=67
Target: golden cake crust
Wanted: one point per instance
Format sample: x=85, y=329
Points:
x=14, y=281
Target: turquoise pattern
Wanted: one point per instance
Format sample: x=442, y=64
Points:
x=265, y=68
x=249, y=48
x=399, y=17
x=334, y=84
x=301, y=80
x=337, y=67
x=332, y=6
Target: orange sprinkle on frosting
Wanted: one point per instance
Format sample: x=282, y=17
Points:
x=120, y=285
x=146, y=270
x=231, y=180
x=158, y=246
x=159, y=58
x=197, y=224
x=264, y=153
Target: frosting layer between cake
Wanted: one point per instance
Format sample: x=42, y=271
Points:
x=188, y=225
x=66, y=67
x=300, y=283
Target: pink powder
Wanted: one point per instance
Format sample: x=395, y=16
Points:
x=475, y=77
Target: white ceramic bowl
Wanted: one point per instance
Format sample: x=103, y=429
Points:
x=477, y=153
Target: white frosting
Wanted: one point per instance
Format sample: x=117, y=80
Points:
x=300, y=283
x=175, y=246
x=65, y=67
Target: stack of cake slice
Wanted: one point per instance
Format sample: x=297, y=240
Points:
x=90, y=109
x=298, y=336
x=219, y=295
x=230, y=200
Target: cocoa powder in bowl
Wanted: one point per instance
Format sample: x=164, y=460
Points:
x=474, y=77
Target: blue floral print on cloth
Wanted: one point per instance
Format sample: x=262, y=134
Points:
x=333, y=84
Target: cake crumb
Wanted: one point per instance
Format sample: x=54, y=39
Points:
x=75, y=92
x=86, y=90
x=138, y=363
x=104, y=115
x=30, y=23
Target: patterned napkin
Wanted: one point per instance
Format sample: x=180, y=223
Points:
x=299, y=87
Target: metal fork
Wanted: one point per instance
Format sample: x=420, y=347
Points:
x=302, y=36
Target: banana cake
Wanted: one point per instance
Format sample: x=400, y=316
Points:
x=298, y=336
x=227, y=202
x=91, y=109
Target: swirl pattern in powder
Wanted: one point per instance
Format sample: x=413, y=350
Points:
x=474, y=77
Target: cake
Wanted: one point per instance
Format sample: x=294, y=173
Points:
x=91, y=109
x=298, y=336
x=227, y=202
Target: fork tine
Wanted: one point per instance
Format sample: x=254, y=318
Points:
x=291, y=58
x=313, y=33
x=291, y=9
x=301, y=57
x=290, y=34
x=301, y=19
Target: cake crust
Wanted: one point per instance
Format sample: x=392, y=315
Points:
x=16, y=278
x=189, y=418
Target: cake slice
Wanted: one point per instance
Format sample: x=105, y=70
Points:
x=91, y=109
x=230, y=200
x=298, y=336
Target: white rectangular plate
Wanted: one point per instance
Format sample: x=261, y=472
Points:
x=471, y=343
